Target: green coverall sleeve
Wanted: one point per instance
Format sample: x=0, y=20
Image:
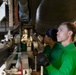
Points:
x=67, y=66
x=47, y=51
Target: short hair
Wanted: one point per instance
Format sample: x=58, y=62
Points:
x=52, y=33
x=70, y=26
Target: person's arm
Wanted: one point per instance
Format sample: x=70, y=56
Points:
x=67, y=66
x=47, y=51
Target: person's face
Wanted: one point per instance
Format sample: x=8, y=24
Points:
x=63, y=33
x=46, y=39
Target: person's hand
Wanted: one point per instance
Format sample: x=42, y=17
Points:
x=42, y=59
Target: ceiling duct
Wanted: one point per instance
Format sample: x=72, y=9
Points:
x=27, y=10
x=23, y=11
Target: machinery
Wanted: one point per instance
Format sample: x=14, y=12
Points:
x=18, y=62
x=19, y=66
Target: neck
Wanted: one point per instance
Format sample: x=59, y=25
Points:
x=52, y=44
x=66, y=42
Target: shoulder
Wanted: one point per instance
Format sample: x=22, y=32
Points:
x=58, y=46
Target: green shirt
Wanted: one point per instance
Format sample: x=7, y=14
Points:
x=47, y=51
x=53, y=54
x=56, y=52
x=67, y=64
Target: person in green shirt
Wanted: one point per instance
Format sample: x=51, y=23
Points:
x=66, y=64
x=50, y=40
x=53, y=49
x=52, y=46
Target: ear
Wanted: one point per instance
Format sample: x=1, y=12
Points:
x=70, y=33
